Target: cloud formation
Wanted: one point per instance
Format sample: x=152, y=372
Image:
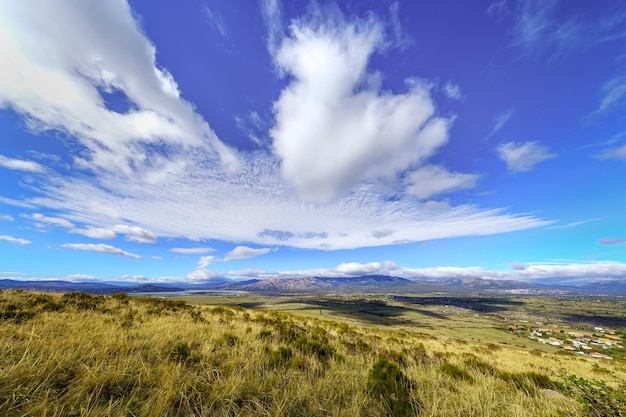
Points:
x=132, y=233
x=192, y=251
x=244, y=252
x=12, y=239
x=60, y=85
x=433, y=180
x=100, y=247
x=20, y=164
x=563, y=274
x=522, y=157
x=614, y=153
x=335, y=127
x=612, y=241
x=154, y=169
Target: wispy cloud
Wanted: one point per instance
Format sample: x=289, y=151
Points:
x=453, y=91
x=272, y=15
x=612, y=241
x=192, y=251
x=160, y=167
x=522, y=157
x=543, y=26
x=216, y=21
x=573, y=224
x=12, y=239
x=499, y=122
x=613, y=153
x=7, y=218
x=100, y=247
x=132, y=233
x=613, y=96
x=20, y=165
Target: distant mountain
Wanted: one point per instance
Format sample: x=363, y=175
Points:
x=65, y=286
x=364, y=283
x=318, y=284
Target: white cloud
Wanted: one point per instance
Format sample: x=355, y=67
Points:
x=96, y=233
x=12, y=239
x=452, y=91
x=56, y=85
x=79, y=277
x=550, y=273
x=244, y=252
x=100, y=247
x=7, y=218
x=500, y=121
x=205, y=261
x=614, y=153
x=354, y=268
x=132, y=233
x=216, y=21
x=272, y=15
x=192, y=251
x=197, y=198
x=432, y=180
x=335, y=127
x=55, y=221
x=522, y=157
x=135, y=233
x=614, y=95
x=20, y=164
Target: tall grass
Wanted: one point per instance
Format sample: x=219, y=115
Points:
x=84, y=355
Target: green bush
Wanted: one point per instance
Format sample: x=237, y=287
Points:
x=387, y=383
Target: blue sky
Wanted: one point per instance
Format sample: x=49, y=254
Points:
x=148, y=141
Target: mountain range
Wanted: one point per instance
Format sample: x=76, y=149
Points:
x=365, y=283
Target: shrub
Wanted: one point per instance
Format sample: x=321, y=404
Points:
x=387, y=382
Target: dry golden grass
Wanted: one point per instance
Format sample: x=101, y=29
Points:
x=82, y=355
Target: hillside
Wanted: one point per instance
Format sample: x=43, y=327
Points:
x=80, y=354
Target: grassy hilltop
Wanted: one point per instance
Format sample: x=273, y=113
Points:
x=78, y=354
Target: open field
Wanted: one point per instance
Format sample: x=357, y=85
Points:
x=78, y=354
x=466, y=317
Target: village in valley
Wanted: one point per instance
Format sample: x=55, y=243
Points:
x=599, y=342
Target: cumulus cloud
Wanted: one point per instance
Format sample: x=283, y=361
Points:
x=12, y=239
x=335, y=127
x=353, y=268
x=522, y=157
x=19, y=164
x=433, y=180
x=100, y=247
x=90, y=50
